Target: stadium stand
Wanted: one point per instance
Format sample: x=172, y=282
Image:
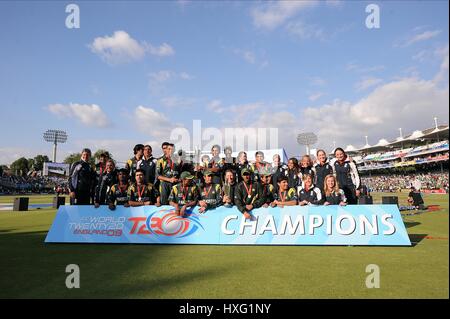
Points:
x=420, y=159
x=12, y=184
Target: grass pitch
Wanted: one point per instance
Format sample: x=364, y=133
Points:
x=31, y=269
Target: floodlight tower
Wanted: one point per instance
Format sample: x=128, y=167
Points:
x=307, y=139
x=56, y=137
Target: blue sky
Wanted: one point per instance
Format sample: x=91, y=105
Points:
x=135, y=70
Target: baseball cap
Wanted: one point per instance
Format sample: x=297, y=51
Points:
x=245, y=170
x=265, y=172
x=186, y=175
x=207, y=172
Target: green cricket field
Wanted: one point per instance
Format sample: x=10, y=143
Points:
x=29, y=268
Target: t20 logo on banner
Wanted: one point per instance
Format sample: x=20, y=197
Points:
x=367, y=225
x=166, y=223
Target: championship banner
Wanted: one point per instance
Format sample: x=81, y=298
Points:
x=380, y=225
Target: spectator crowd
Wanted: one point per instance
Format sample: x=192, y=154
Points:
x=397, y=182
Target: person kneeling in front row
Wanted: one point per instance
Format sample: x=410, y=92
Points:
x=229, y=188
x=210, y=193
x=142, y=194
x=184, y=195
x=118, y=193
x=308, y=194
x=332, y=193
x=285, y=196
x=248, y=194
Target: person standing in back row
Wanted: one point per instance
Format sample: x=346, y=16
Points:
x=107, y=179
x=322, y=168
x=168, y=172
x=148, y=165
x=278, y=169
x=215, y=165
x=134, y=163
x=82, y=180
x=292, y=173
x=347, y=175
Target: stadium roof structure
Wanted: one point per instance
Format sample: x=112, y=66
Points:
x=416, y=138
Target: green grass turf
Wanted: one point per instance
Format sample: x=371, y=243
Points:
x=33, y=199
x=31, y=269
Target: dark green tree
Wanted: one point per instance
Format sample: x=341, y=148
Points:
x=101, y=151
x=31, y=164
x=20, y=166
x=74, y=157
x=39, y=161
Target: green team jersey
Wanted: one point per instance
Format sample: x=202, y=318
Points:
x=212, y=195
x=248, y=194
x=118, y=195
x=143, y=193
x=167, y=167
x=286, y=196
x=132, y=165
x=258, y=168
x=268, y=193
x=181, y=195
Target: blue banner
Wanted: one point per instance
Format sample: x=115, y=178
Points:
x=294, y=225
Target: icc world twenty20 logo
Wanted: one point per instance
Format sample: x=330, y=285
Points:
x=166, y=223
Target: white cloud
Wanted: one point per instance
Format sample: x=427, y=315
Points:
x=367, y=82
x=122, y=48
x=162, y=50
x=270, y=15
x=247, y=55
x=426, y=35
x=176, y=101
x=315, y=96
x=216, y=106
x=442, y=75
x=161, y=76
x=244, y=113
x=352, y=66
x=186, y=76
x=252, y=57
x=158, y=80
x=409, y=103
x=335, y=3
x=302, y=31
x=421, y=56
x=423, y=36
x=274, y=14
x=317, y=81
x=10, y=154
x=183, y=3
x=153, y=123
x=121, y=149
x=89, y=115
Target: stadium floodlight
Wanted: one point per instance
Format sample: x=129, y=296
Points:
x=307, y=139
x=56, y=137
x=436, y=122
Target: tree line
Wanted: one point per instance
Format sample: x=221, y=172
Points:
x=22, y=166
